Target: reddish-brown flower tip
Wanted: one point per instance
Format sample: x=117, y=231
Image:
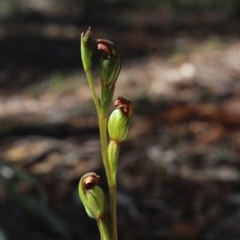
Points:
x=90, y=180
x=105, y=46
x=124, y=105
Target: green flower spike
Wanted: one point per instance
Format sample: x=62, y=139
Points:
x=92, y=196
x=118, y=123
x=87, y=49
x=110, y=66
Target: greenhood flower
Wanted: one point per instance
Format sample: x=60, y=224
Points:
x=118, y=123
x=92, y=196
x=110, y=66
x=110, y=62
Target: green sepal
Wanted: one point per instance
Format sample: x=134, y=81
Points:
x=110, y=67
x=87, y=49
x=118, y=125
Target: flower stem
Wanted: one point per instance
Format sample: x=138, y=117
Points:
x=94, y=95
x=110, y=177
x=113, y=206
x=103, y=226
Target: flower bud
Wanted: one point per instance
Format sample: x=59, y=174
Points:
x=113, y=155
x=87, y=49
x=110, y=62
x=118, y=123
x=92, y=196
x=110, y=66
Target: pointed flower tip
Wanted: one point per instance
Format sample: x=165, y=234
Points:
x=87, y=48
x=88, y=33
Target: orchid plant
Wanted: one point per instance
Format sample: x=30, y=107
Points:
x=113, y=130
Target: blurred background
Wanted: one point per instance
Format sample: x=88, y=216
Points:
x=179, y=170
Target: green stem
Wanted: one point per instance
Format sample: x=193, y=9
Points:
x=94, y=95
x=103, y=226
x=103, y=140
x=111, y=181
x=113, y=206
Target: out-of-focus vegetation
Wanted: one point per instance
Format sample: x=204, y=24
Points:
x=212, y=9
x=2, y=236
x=18, y=184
